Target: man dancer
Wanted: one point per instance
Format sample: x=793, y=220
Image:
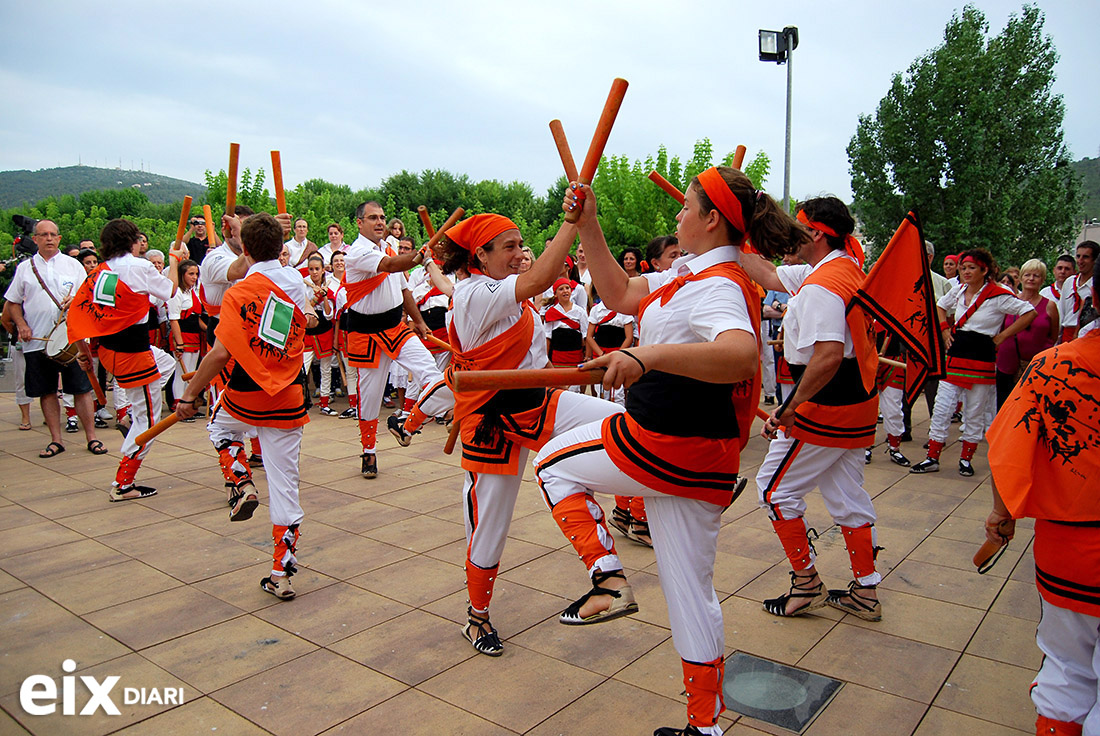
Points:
x=1077, y=290
x=377, y=297
x=262, y=331
x=831, y=416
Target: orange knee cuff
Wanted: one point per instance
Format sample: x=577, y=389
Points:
x=286, y=545
x=368, y=431
x=792, y=535
x=703, y=683
x=479, y=585
x=637, y=508
x=576, y=520
x=415, y=420
x=968, y=450
x=934, y=449
x=233, y=463
x=860, y=542
x=127, y=471
x=255, y=444
x=1044, y=725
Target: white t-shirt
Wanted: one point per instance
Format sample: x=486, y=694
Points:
x=180, y=302
x=286, y=278
x=575, y=313
x=1080, y=285
x=700, y=310
x=63, y=275
x=142, y=276
x=214, y=274
x=814, y=314
x=989, y=316
x=485, y=308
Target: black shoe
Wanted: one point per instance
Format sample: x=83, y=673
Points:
x=255, y=461
x=956, y=417
x=71, y=426
x=867, y=456
x=928, y=465
x=348, y=413
x=100, y=424
x=897, y=457
x=769, y=401
x=370, y=465
x=688, y=730
x=906, y=436
x=397, y=429
x=965, y=468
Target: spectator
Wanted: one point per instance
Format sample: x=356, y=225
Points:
x=39, y=293
x=1078, y=289
x=1013, y=355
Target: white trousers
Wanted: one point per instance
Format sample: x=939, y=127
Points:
x=977, y=402
x=371, y=382
x=1067, y=687
x=492, y=498
x=281, y=448
x=326, y=365
x=792, y=468
x=145, y=404
x=684, y=533
x=186, y=363
x=767, y=361
x=19, y=366
x=890, y=404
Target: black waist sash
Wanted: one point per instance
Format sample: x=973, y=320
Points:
x=682, y=407
x=971, y=345
x=843, y=389
x=368, y=323
x=435, y=318
x=610, y=336
x=133, y=339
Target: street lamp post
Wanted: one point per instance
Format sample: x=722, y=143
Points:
x=776, y=46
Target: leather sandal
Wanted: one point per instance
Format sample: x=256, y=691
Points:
x=244, y=501
x=639, y=532
x=815, y=596
x=622, y=602
x=481, y=634
x=849, y=601
x=620, y=519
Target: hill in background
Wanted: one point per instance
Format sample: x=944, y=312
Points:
x=19, y=187
x=1089, y=169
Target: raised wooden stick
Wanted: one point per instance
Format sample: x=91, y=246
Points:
x=599, y=140
x=209, y=217
x=668, y=186
x=426, y=220
x=563, y=150
x=277, y=176
x=231, y=179
x=185, y=213
x=894, y=363
x=739, y=157
x=455, y=217
x=525, y=378
x=86, y=352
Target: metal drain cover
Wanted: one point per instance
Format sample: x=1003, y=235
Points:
x=775, y=693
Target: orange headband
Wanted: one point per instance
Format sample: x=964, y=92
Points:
x=724, y=199
x=851, y=245
x=476, y=231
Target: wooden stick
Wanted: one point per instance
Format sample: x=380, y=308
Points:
x=599, y=139
x=209, y=217
x=426, y=220
x=148, y=435
x=188, y=376
x=762, y=414
x=439, y=343
x=185, y=213
x=277, y=176
x=563, y=150
x=668, y=186
x=527, y=378
x=452, y=437
x=739, y=157
x=894, y=363
x=86, y=352
x=455, y=217
x=775, y=342
x=231, y=179
x=984, y=555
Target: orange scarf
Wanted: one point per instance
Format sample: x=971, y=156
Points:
x=104, y=305
x=264, y=330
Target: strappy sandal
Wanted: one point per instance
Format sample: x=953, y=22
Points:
x=688, y=730
x=815, y=596
x=851, y=602
x=622, y=602
x=132, y=493
x=486, y=640
x=620, y=519
x=244, y=502
x=96, y=448
x=639, y=532
x=278, y=586
x=52, y=449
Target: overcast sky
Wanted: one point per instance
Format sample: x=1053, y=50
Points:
x=353, y=92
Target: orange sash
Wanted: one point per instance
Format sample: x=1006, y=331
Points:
x=504, y=352
x=359, y=289
x=264, y=330
x=105, y=305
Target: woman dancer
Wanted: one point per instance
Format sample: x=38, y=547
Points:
x=978, y=306
x=185, y=315
x=700, y=331
x=319, y=339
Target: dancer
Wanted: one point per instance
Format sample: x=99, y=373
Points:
x=259, y=343
x=377, y=300
x=185, y=316
x=699, y=336
x=113, y=305
x=565, y=330
x=978, y=307
x=494, y=327
x=319, y=339
x=819, y=433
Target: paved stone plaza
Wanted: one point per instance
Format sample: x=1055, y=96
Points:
x=164, y=593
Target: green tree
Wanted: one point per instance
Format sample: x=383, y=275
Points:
x=971, y=137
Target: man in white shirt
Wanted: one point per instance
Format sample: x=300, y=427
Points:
x=36, y=307
x=1064, y=268
x=300, y=247
x=1077, y=289
x=378, y=298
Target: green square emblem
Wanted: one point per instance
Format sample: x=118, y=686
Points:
x=106, y=285
x=275, y=321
